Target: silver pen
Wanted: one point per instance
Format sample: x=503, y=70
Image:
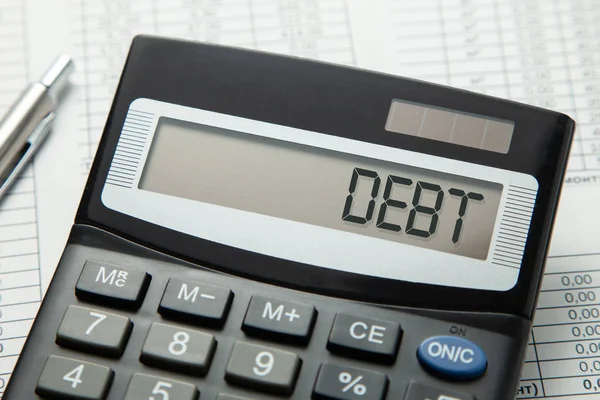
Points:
x=28, y=121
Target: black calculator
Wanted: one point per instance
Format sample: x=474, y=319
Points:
x=257, y=226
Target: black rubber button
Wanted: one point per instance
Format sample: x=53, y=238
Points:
x=263, y=368
x=198, y=302
x=112, y=285
x=346, y=383
x=365, y=338
x=279, y=319
x=67, y=378
x=94, y=331
x=419, y=391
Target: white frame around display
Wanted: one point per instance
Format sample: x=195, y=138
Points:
x=316, y=245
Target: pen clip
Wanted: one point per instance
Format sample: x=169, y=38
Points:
x=34, y=141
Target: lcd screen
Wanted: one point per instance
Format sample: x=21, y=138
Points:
x=330, y=189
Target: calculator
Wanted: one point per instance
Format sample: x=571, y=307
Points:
x=258, y=226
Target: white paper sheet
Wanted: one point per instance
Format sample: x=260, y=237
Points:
x=543, y=52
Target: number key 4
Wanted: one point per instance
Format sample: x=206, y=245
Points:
x=68, y=378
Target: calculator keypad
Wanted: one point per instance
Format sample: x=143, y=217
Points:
x=178, y=349
x=195, y=301
x=69, y=378
x=347, y=383
x=116, y=286
x=144, y=387
x=187, y=347
x=367, y=338
x=95, y=331
x=263, y=368
x=281, y=319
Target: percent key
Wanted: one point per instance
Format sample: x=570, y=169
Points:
x=338, y=382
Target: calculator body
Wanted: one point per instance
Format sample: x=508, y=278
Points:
x=161, y=295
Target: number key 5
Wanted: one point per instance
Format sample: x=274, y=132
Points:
x=142, y=386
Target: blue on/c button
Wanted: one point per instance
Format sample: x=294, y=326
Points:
x=452, y=357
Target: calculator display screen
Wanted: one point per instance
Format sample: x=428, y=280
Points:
x=321, y=187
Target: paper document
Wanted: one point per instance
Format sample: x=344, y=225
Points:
x=542, y=52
